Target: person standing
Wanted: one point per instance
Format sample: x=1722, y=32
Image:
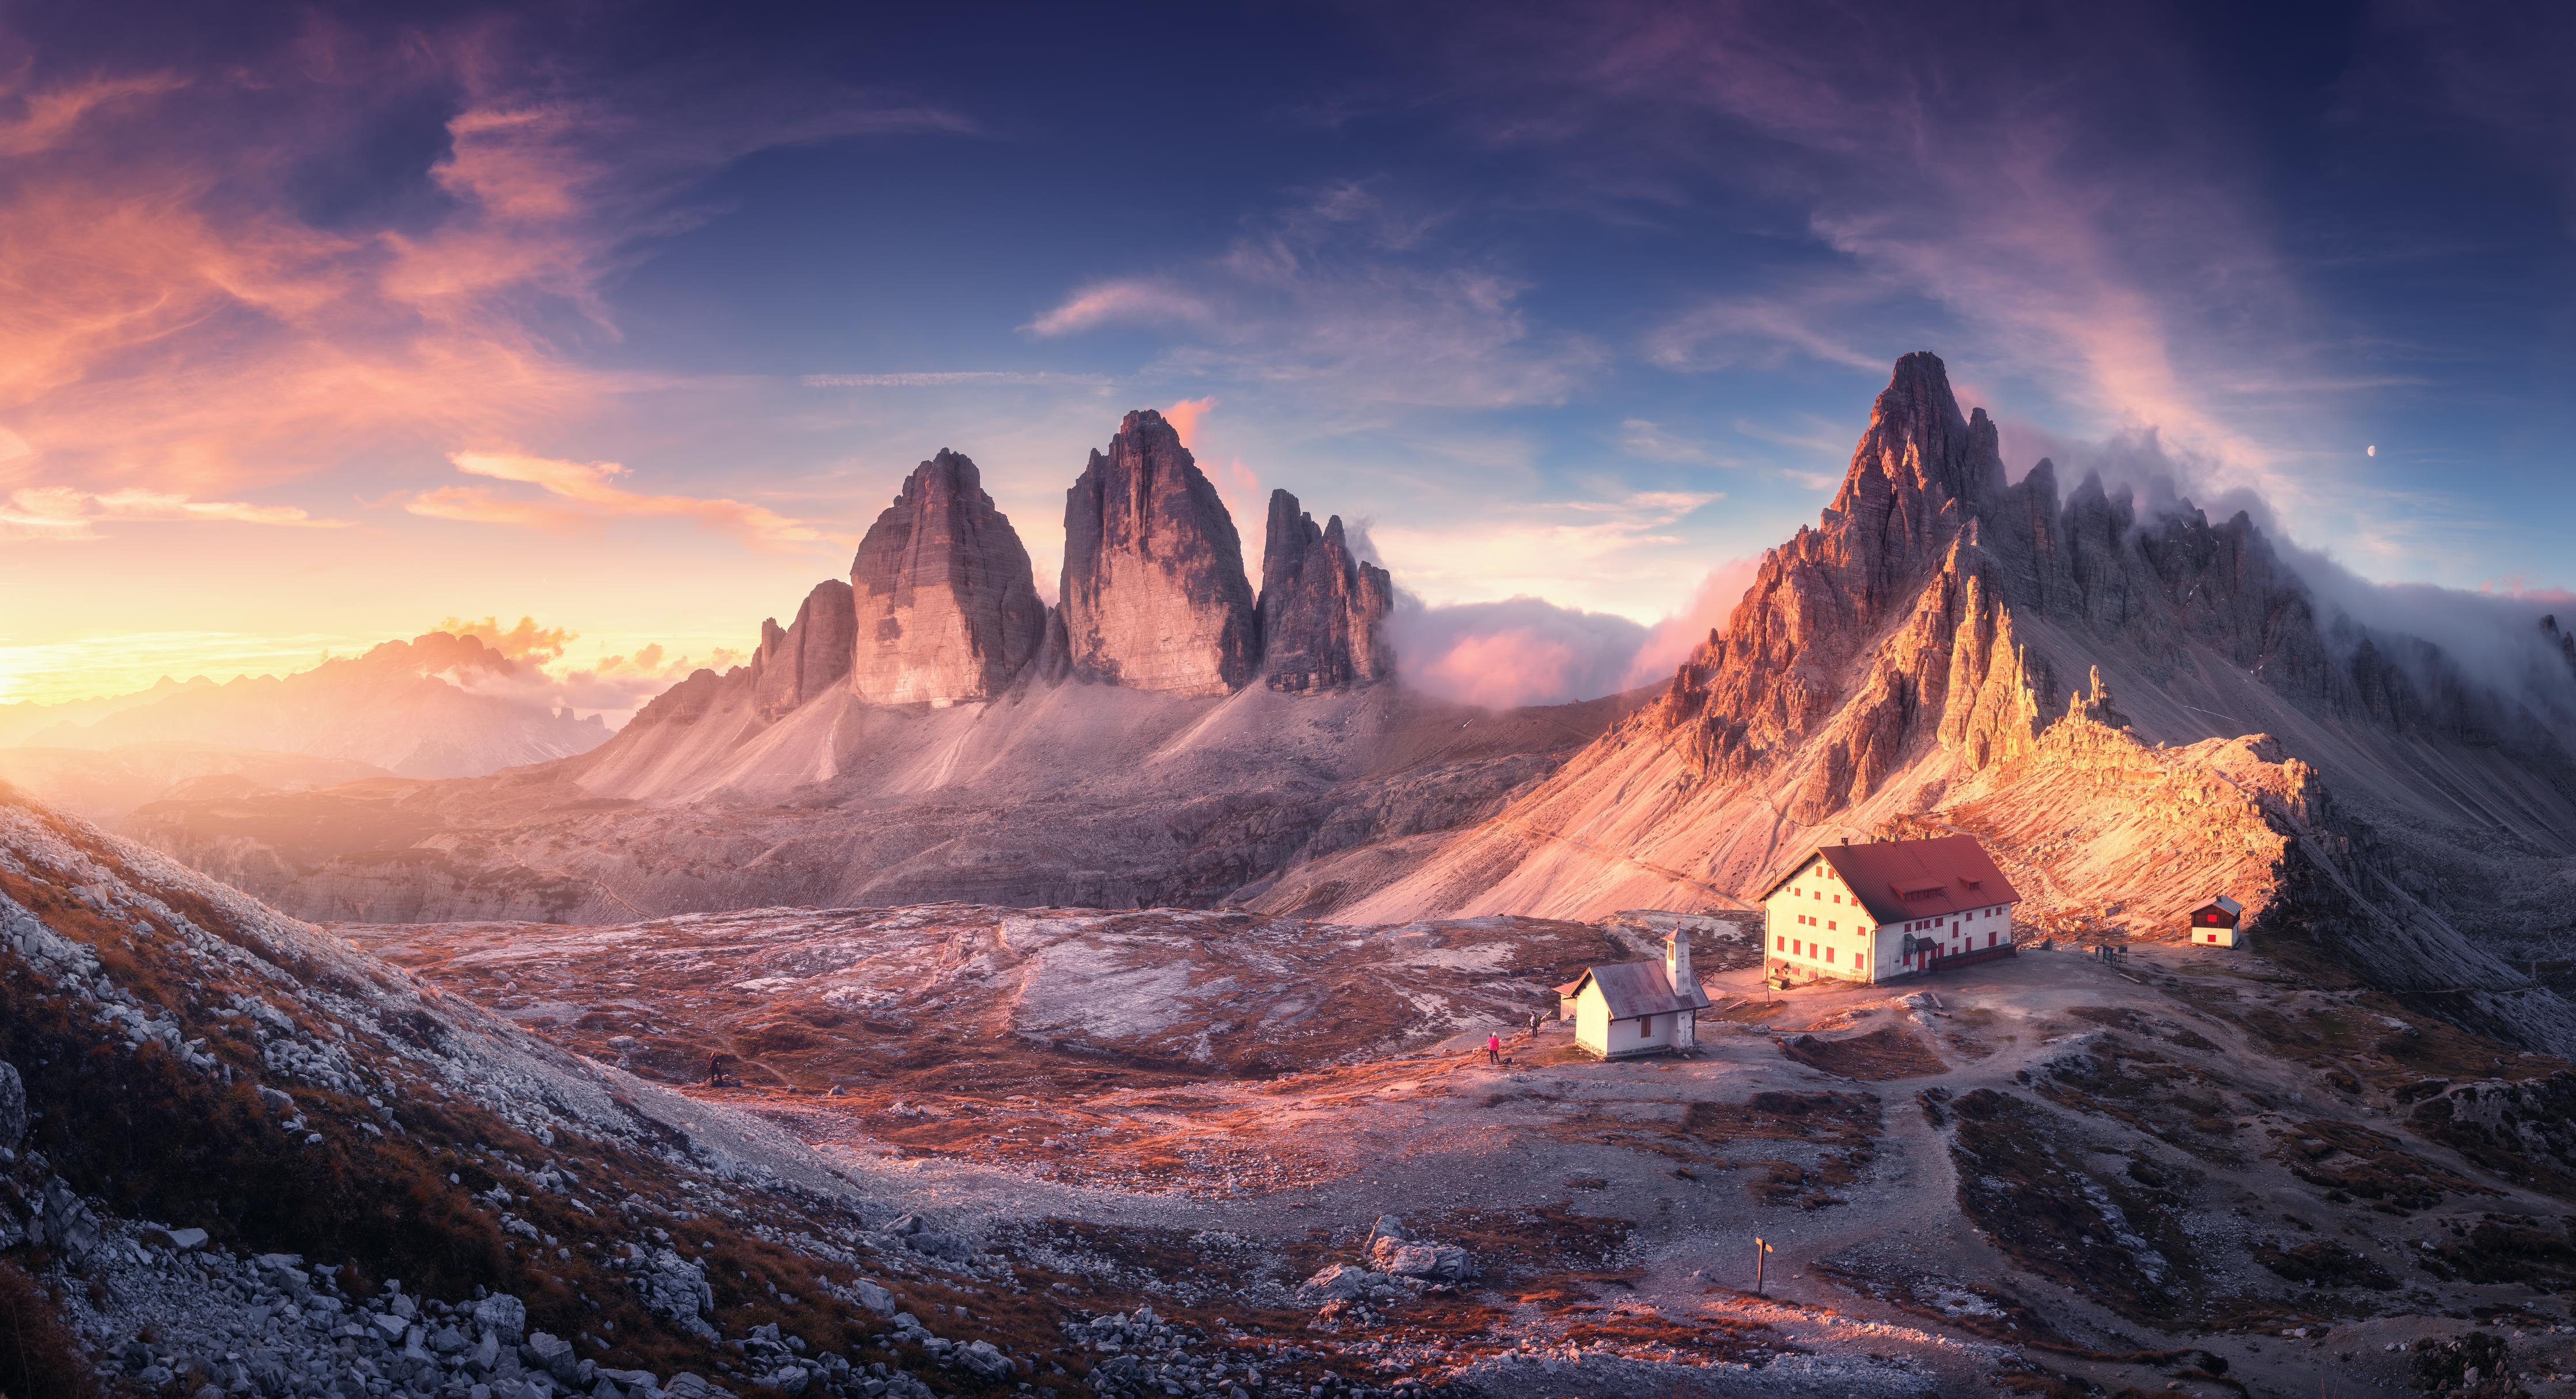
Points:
x=1493, y=1049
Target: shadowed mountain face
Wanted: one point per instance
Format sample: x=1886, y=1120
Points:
x=1322, y=609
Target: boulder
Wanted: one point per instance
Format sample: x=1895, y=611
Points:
x=676, y=1288
x=1154, y=592
x=552, y=1354
x=946, y=606
x=1340, y=1281
x=503, y=1315
x=1322, y=610
x=65, y=1224
x=1429, y=1262
x=984, y=1359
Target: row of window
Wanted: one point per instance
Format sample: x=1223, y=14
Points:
x=1807, y=921
x=1804, y=948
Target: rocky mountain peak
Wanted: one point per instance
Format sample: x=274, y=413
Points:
x=1322, y=608
x=945, y=603
x=1154, y=591
x=811, y=656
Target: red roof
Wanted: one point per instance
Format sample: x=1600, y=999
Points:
x=1900, y=880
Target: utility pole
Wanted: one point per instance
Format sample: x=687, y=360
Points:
x=1760, y=1251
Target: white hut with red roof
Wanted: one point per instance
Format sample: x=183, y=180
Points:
x=1886, y=909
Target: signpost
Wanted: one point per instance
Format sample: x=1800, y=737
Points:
x=1760, y=1250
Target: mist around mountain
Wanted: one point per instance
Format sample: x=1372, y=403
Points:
x=438, y=705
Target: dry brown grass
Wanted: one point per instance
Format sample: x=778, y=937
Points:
x=39, y=1356
x=1886, y=1053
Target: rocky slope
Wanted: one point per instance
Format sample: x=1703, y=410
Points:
x=434, y=706
x=1322, y=610
x=1154, y=591
x=237, y=1153
x=947, y=607
x=1916, y=654
x=1095, y=795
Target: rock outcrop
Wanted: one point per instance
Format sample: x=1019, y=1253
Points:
x=1154, y=592
x=947, y=607
x=1322, y=609
x=811, y=656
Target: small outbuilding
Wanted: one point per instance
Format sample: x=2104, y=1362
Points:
x=2214, y=924
x=1631, y=1008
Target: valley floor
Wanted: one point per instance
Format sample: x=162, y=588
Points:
x=2190, y=1169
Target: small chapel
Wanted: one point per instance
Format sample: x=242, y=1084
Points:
x=1629, y=1008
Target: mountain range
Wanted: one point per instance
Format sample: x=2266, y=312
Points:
x=438, y=705
x=2134, y=708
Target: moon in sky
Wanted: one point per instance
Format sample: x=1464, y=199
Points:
x=2371, y=451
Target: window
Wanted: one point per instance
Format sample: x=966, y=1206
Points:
x=1646, y=1027
x=1780, y=944
x=1832, y=924
x=1990, y=937
x=1829, y=956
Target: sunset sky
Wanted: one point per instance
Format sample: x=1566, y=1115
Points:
x=322, y=324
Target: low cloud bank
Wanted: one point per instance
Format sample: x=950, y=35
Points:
x=612, y=687
x=1528, y=650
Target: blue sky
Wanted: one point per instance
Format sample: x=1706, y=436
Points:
x=331, y=321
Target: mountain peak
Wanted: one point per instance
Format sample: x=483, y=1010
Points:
x=1154, y=592
x=945, y=606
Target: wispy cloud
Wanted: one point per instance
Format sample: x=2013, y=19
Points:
x=65, y=513
x=950, y=379
x=1763, y=331
x=1991, y=174
x=580, y=492
x=1131, y=302
x=1346, y=294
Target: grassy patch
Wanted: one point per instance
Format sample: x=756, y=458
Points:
x=1888, y=1052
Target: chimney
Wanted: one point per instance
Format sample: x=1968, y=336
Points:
x=1677, y=967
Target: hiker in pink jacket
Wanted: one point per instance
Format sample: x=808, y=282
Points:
x=1493, y=1049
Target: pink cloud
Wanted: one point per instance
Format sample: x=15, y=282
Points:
x=1671, y=641
x=1184, y=417
x=1505, y=669
x=66, y=513
x=589, y=492
x=1134, y=302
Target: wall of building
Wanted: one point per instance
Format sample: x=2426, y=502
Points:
x=1596, y=1031
x=1837, y=943
x=1841, y=941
